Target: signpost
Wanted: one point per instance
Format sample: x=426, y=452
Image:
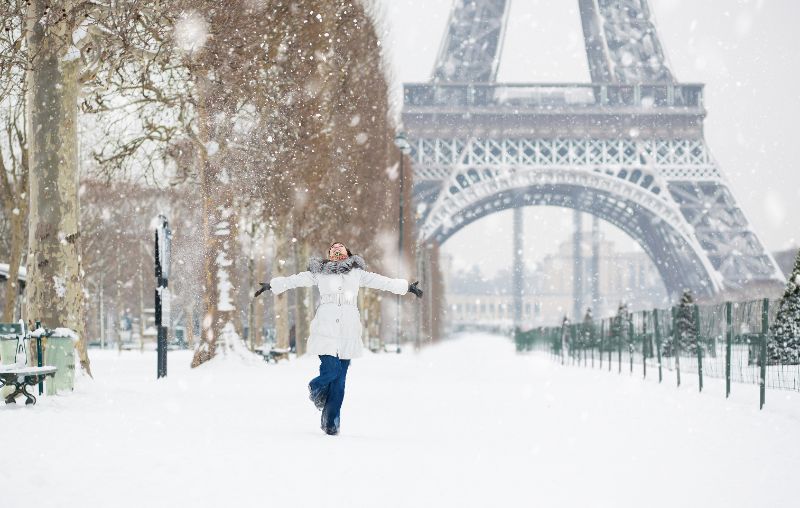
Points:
x=162, y=297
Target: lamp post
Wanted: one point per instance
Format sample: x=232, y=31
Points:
x=401, y=142
x=162, y=301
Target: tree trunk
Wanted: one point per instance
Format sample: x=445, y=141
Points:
x=281, y=305
x=218, y=299
x=253, y=280
x=142, y=318
x=259, y=306
x=189, y=324
x=16, y=224
x=302, y=302
x=251, y=310
x=54, y=285
x=220, y=225
x=118, y=306
x=436, y=299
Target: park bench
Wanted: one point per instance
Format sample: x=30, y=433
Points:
x=272, y=354
x=22, y=377
x=391, y=348
x=276, y=354
x=15, y=375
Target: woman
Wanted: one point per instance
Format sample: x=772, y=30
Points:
x=336, y=327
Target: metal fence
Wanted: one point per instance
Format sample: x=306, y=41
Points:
x=731, y=341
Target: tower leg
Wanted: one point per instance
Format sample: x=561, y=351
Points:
x=577, y=267
x=519, y=267
x=596, y=266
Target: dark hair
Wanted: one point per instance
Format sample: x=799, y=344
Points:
x=349, y=254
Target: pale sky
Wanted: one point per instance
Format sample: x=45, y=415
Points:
x=744, y=51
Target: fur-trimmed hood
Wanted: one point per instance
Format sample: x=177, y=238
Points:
x=326, y=266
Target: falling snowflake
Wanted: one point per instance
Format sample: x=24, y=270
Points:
x=191, y=32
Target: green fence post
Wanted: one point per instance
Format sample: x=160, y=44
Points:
x=602, y=332
x=619, y=348
x=565, y=346
x=558, y=344
x=631, y=339
x=698, y=345
x=571, y=343
x=585, y=346
x=676, y=344
x=644, y=344
x=762, y=379
x=573, y=350
x=657, y=333
x=557, y=341
x=582, y=350
x=610, y=346
x=728, y=346
x=557, y=337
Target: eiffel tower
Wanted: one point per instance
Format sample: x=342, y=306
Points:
x=627, y=147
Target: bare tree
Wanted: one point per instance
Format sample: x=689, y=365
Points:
x=67, y=44
x=54, y=287
x=13, y=147
x=116, y=222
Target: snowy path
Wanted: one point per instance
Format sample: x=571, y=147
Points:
x=465, y=423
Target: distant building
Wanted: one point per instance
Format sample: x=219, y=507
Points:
x=623, y=277
x=493, y=309
x=548, y=295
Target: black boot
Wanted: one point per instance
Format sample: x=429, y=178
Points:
x=329, y=430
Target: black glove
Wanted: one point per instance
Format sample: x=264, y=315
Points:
x=412, y=288
x=264, y=287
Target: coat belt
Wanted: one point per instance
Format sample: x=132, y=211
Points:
x=338, y=299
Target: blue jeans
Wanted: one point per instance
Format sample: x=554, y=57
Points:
x=329, y=387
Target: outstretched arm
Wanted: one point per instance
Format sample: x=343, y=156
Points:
x=299, y=280
x=382, y=283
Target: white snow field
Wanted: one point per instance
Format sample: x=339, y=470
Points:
x=464, y=423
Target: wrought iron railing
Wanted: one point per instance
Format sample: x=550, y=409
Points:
x=554, y=96
x=733, y=341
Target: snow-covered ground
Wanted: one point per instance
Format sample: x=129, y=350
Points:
x=464, y=423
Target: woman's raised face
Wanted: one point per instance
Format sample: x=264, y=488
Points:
x=337, y=252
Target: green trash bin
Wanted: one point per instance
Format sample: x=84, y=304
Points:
x=59, y=352
x=8, y=349
x=9, y=333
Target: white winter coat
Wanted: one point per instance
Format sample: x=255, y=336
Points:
x=336, y=327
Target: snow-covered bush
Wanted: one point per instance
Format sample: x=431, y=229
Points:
x=784, y=344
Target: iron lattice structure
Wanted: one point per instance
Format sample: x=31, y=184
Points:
x=628, y=147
